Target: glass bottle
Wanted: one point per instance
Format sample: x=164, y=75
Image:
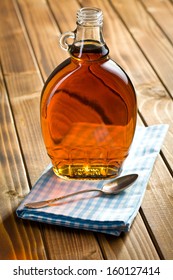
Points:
x=88, y=106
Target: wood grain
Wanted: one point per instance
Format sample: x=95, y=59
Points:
x=19, y=240
x=162, y=12
x=157, y=207
x=71, y=244
x=24, y=86
x=126, y=248
x=149, y=37
x=44, y=34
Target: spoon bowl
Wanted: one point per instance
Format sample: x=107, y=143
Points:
x=119, y=184
x=114, y=187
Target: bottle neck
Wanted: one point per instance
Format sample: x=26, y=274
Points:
x=89, y=33
x=89, y=43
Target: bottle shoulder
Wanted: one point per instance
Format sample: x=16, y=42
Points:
x=71, y=64
x=77, y=73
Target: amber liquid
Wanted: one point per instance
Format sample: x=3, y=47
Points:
x=88, y=116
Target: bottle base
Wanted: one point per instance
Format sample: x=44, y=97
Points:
x=87, y=172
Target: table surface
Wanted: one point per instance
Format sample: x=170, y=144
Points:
x=140, y=38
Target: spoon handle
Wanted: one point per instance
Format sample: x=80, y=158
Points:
x=45, y=203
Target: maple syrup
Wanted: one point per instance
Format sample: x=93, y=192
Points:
x=88, y=107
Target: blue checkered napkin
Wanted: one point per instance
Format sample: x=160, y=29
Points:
x=92, y=211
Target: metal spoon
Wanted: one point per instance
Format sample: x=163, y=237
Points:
x=113, y=187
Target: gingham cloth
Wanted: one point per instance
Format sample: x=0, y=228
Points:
x=110, y=214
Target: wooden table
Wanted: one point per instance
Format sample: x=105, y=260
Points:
x=140, y=38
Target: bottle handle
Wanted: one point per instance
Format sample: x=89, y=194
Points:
x=63, y=39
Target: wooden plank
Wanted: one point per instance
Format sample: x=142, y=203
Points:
x=157, y=208
x=130, y=245
x=71, y=244
x=24, y=93
x=19, y=239
x=10, y=29
x=43, y=33
x=162, y=12
x=24, y=85
x=65, y=21
x=150, y=38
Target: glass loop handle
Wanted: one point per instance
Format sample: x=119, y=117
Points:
x=63, y=39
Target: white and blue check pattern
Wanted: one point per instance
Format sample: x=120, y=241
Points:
x=110, y=214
